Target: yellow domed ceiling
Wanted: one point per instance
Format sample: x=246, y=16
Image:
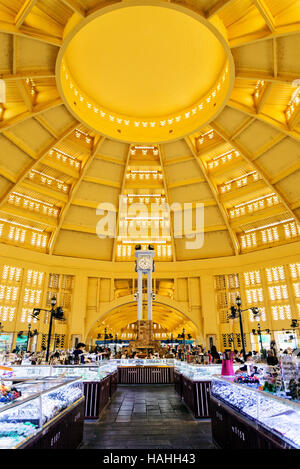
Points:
x=144, y=71
x=149, y=63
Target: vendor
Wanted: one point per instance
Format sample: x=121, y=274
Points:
x=248, y=366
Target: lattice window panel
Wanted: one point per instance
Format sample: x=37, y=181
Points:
x=278, y=292
x=54, y=281
x=66, y=300
x=275, y=274
x=254, y=295
x=26, y=315
x=44, y=341
x=11, y=274
x=220, y=282
x=67, y=282
x=295, y=271
x=238, y=340
x=252, y=278
x=281, y=312
x=34, y=278
x=59, y=340
x=222, y=300
x=7, y=313
x=223, y=316
x=233, y=281
x=262, y=316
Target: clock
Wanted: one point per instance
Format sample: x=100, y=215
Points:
x=144, y=263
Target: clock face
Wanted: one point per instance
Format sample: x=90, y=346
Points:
x=144, y=263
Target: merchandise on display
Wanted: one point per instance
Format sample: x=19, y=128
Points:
x=42, y=402
x=276, y=414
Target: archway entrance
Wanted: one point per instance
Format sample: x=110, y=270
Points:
x=168, y=322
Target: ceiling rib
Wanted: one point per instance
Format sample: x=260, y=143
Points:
x=118, y=214
x=217, y=8
x=75, y=7
x=34, y=164
x=264, y=118
x=24, y=12
x=29, y=33
x=235, y=243
x=166, y=187
x=73, y=192
x=265, y=13
x=247, y=158
x=37, y=109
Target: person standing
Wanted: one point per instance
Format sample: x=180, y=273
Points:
x=79, y=353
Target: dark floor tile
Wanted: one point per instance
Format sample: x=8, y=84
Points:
x=151, y=417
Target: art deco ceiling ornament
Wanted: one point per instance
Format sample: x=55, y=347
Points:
x=145, y=71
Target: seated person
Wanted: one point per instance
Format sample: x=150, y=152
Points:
x=248, y=366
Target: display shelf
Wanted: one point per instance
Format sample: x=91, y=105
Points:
x=275, y=418
x=100, y=381
x=192, y=383
x=42, y=402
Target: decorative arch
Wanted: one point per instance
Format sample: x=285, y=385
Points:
x=107, y=309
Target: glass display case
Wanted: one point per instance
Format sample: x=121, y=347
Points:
x=144, y=362
x=40, y=402
x=275, y=414
x=199, y=372
x=86, y=372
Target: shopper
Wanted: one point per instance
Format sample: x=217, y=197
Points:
x=79, y=353
x=272, y=360
x=215, y=355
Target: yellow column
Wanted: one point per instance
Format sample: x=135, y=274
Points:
x=209, y=310
x=76, y=321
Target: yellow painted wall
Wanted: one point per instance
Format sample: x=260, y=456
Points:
x=93, y=295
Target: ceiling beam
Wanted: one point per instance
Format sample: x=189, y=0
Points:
x=262, y=35
x=36, y=74
x=10, y=28
x=264, y=176
x=256, y=75
x=76, y=7
x=38, y=109
x=162, y=160
x=63, y=213
x=217, y=8
x=24, y=12
x=25, y=95
x=265, y=13
x=35, y=163
x=275, y=58
x=118, y=213
x=264, y=118
x=235, y=243
x=261, y=101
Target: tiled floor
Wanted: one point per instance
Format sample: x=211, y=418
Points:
x=147, y=417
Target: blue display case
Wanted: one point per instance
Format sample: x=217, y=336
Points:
x=41, y=403
x=275, y=417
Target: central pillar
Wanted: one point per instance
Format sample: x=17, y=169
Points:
x=149, y=294
x=140, y=296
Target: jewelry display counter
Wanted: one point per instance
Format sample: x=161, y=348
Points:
x=99, y=381
x=247, y=418
x=49, y=415
x=145, y=371
x=192, y=383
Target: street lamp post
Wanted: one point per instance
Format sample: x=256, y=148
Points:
x=237, y=313
x=260, y=339
x=239, y=304
x=52, y=313
x=28, y=337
